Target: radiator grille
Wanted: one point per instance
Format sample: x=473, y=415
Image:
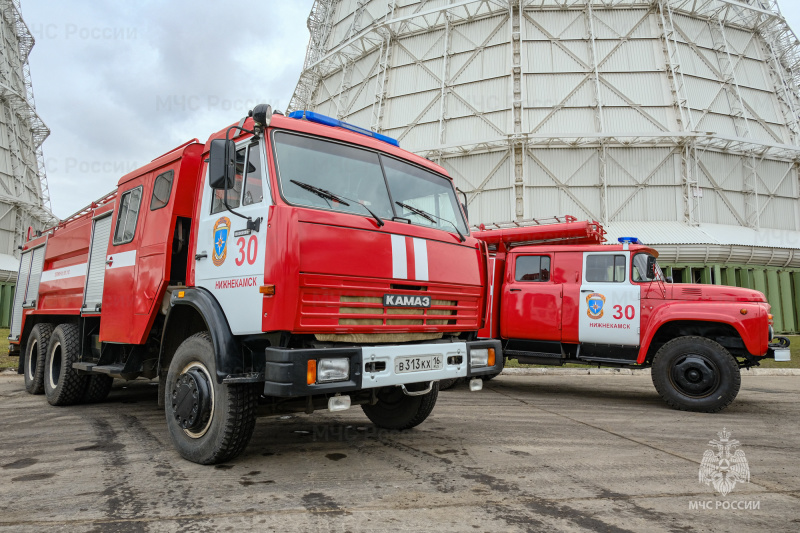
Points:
x=333, y=304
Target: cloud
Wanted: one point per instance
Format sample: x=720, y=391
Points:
x=120, y=83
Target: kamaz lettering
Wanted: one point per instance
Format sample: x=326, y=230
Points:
x=398, y=300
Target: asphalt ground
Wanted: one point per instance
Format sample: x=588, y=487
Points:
x=528, y=453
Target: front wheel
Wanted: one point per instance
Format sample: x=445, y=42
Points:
x=395, y=410
x=696, y=374
x=209, y=422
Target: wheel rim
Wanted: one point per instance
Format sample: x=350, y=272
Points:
x=54, y=371
x=33, y=353
x=695, y=375
x=193, y=400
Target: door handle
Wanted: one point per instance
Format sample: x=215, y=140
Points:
x=587, y=290
x=110, y=261
x=514, y=290
x=201, y=255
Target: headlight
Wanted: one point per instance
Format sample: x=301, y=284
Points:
x=333, y=370
x=481, y=357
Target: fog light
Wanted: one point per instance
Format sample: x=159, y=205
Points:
x=479, y=357
x=333, y=370
x=338, y=403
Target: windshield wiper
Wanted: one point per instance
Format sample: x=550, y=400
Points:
x=328, y=195
x=425, y=214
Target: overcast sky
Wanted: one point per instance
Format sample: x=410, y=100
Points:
x=120, y=83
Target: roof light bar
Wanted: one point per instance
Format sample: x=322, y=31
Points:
x=336, y=123
x=628, y=240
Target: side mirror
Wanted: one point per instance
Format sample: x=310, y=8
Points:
x=464, y=203
x=651, y=267
x=221, y=161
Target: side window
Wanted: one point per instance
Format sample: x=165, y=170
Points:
x=161, y=190
x=605, y=268
x=128, y=215
x=253, y=186
x=234, y=194
x=532, y=268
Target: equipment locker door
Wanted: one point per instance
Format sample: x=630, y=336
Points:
x=229, y=258
x=609, y=303
x=35, y=277
x=19, y=294
x=96, y=274
x=531, y=300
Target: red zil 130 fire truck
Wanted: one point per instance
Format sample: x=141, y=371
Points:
x=289, y=264
x=558, y=295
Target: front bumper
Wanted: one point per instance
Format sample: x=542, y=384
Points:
x=285, y=370
x=779, y=350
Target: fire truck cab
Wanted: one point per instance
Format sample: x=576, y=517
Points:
x=287, y=264
x=559, y=296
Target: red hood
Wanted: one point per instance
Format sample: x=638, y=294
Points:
x=715, y=293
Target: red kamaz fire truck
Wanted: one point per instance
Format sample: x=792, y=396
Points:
x=289, y=264
x=558, y=295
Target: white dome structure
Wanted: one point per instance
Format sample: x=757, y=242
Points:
x=672, y=120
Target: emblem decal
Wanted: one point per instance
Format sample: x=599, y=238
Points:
x=595, y=301
x=724, y=468
x=221, y=230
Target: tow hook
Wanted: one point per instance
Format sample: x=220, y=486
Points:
x=417, y=393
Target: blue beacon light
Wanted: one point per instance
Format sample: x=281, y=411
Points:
x=336, y=123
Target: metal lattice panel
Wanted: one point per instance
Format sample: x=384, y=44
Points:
x=24, y=195
x=616, y=110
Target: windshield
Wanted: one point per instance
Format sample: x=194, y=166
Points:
x=640, y=273
x=347, y=176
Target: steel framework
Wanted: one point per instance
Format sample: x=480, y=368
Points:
x=24, y=193
x=428, y=73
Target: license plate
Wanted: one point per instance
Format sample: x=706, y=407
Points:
x=417, y=364
x=406, y=300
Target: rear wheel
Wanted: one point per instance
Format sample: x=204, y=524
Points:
x=395, y=410
x=98, y=388
x=209, y=422
x=63, y=385
x=696, y=374
x=34, y=358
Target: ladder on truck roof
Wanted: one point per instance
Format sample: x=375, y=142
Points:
x=555, y=230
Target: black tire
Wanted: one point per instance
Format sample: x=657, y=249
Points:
x=447, y=384
x=98, y=388
x=395, y=410
x=62, y=384
x=34, y=357
x=696, y=374
x=227, y=422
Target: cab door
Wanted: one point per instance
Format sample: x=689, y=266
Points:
x=609, y=302
x=531, y=300
x=120, y=268
x=229, y=258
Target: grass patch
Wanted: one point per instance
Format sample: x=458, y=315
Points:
x=5, y=360
x=765, y=363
